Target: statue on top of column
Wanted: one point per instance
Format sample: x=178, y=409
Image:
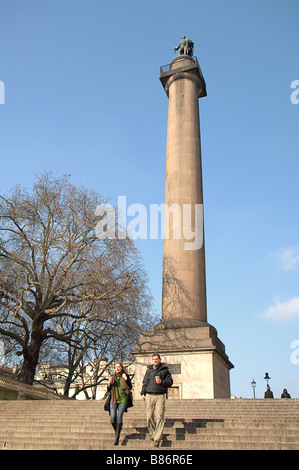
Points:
x=185, y=47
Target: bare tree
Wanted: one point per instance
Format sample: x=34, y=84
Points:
x=55, y=274
x=96, y=345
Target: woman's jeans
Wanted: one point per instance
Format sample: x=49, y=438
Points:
x=116, y=412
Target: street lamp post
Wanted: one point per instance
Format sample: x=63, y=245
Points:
x=253, y=384
x=267, y=378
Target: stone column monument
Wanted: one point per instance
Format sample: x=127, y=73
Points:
x=184, y=338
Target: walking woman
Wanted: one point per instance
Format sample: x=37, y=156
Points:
x=119, y=385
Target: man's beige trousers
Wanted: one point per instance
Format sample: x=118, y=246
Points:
x=155, y=411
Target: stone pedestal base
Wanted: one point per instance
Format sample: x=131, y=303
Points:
x=195, y=355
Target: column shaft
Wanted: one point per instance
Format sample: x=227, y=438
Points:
x=184, y=277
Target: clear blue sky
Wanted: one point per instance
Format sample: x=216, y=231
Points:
x=83, y=97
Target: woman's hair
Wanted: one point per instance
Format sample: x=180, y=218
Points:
x=121, y=365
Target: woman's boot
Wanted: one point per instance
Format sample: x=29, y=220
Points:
x=117, y=433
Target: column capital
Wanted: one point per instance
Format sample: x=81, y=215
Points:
x=183, y=66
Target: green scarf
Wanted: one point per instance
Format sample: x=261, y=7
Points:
x=115, y=397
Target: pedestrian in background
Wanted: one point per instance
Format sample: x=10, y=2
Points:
x=268, y=393
x=285, y=394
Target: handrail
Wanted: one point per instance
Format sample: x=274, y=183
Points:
x=166, y=68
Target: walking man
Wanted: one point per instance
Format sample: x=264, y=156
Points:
x=157, y=380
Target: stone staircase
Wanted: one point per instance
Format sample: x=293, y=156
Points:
x=219, y=424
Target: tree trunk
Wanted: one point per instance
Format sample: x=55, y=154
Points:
x=67, y=386
x=31, y=354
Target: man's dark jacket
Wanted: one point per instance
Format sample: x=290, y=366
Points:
x=149, y=384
